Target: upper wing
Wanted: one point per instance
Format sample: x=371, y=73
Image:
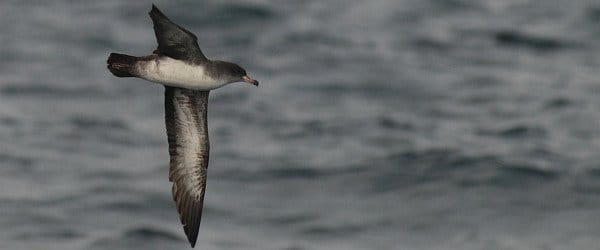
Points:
x=173, y=40
x=187, y=133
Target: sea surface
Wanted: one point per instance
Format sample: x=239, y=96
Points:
x=386, y=124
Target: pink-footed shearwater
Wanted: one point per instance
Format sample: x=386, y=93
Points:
x=188, y=76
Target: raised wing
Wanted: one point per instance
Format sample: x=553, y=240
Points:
x=175, y=41
x=187, y=133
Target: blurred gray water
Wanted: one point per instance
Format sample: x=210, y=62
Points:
x=388, y=124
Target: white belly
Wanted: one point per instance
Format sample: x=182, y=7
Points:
x=175, y=73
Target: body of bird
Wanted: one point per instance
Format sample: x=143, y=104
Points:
x=176, y=73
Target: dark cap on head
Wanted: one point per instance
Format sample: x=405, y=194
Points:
x=233, y=71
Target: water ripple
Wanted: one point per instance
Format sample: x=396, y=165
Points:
x=518, y=39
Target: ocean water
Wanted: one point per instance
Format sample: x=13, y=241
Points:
x=388, y=124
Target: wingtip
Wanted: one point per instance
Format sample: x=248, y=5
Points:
x=192, y=242
x=191, y=237
x=154, y=10
x=157, y=15
x=190, y=213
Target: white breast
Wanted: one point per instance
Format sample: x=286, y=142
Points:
x=176, y=73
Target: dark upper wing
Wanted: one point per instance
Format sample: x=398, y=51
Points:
x=187, y=133
x=173, y=40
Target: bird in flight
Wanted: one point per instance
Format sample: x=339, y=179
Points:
x=188, y=76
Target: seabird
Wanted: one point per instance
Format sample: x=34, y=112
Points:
x=188, y=76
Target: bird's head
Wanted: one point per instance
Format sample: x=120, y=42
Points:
x=232, y=72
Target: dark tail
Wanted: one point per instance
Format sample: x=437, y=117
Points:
x=121, y=65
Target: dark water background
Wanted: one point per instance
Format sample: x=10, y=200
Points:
x=387, y=124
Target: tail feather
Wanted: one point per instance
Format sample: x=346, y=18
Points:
x=121, y=65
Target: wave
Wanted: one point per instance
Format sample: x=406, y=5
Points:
x=517, y=39
x=43, y=90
